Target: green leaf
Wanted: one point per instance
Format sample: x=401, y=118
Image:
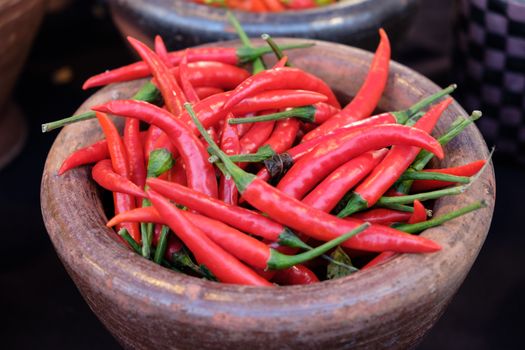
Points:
x=160, y=161
x=337, y=271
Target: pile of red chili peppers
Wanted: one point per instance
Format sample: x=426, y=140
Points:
x=263, y=178
x=266, y=5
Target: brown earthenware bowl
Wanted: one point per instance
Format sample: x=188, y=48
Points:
x=19, y=21
x=146, y=306
x=183, y=23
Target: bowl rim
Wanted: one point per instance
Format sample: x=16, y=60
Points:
x=432, y=277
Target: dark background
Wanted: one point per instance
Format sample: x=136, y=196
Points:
x=40, y=305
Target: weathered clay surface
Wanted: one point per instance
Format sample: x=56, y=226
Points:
x=148, y=307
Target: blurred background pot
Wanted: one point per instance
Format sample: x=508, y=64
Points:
x=183, y=23
x=19, y=21
x=145, y=306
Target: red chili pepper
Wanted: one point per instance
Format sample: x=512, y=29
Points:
x=241, y=218
x=133, y=143
x=382, y=216
x=256, y=137
x=86, y=155
x=419, y=214
x=222, y=264
x=280, y=78
x=199, y=172
x=140, y=70
x=277, y=99
x=325, y=158
x=242, y=129
x=381, y=258
x=207, y=91
x=469, y=169
x=184, y=77
x=281, y=63
x=283, y=135
x=166, y=82
x=310, y=221
x=298, y=274
x=216, y=74
x=366, y=99
x=104, y=175
x=332, y=189
x=392, y=166
x=240, y=245
x=230, y=145
x=120, y=164
x=274, y=5
x=177, y=173
x=161, y=51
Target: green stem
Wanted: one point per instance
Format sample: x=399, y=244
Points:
x=305, y=113
x=275, y=48
x=241, y=178
x=161, y=246
x=258, y=64
x=415, y=228
x=355, y=203
x=279, y=261
x=434, y=176
x=262, y=154
x=402, y=116
x=248, y=54
x=126, y=236
x=422, y=196
x=424, y=157
x=148, y=92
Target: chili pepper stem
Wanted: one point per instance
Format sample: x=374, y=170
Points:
x=414, y=228
x=275, y=48
x=424, y=195
x=279, y=261
x=148, y=92
x=258, y=64
x=163, y=243
x=355, y=203
x=127, y=237
x=421, y=175
x=241, y=178
x=262, y=154
x=429, y=100
x=305, y=113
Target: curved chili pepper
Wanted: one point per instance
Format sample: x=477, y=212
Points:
x=241, y=218
x=325, y=158
x=366, y=99
x=419, y=214
x=382, y=216
x=313, y=114
x=230, y=145
x=277, y=99
x=86, y=155
x=332, y=189
x=312, y=222
x=216, y=74
x=104, y=175
x=256, y=137
x=222, y=264
x=280, y=78
x=133, y=143
x=283, y=135
x=166, y=82
x=184, y=77
x=207, y=91
x=119, y=161
x=381, y=258
x=161, y=51
x=199, y=172
x=469, y=169
x=298, y=274
x=138, y=70
x=391, y=167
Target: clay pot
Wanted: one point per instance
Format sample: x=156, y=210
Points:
x=19, y=21
x=183, y=23
x=146, y=306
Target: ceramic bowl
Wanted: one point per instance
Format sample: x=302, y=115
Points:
x=183, y=23
x=146, y=306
